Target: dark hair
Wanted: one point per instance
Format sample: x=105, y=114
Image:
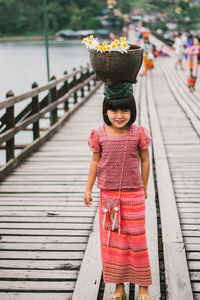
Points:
x=125, y=103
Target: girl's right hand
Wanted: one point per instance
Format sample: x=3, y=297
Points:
x=87, y=199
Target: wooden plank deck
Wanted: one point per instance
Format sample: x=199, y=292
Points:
x=50, y=247
x=43, y=221
x=178, y=113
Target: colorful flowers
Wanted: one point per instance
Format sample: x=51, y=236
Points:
x=120, y=45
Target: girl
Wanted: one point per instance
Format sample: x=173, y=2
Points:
x=148, y=56
x=116, y=147
x=192, y=64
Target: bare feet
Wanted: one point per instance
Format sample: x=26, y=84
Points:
x=191, y=89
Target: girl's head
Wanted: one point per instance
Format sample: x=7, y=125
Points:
x=119, y=104
x=146, y=40
x=195, y=41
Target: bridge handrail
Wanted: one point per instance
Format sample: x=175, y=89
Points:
x=16, y=99
x=66, y=100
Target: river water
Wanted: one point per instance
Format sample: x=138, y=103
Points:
x=23, y=62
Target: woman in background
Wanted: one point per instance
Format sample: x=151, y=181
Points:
x=192, y=64
x=148, y=56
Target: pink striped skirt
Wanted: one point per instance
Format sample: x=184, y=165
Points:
x=125, y=258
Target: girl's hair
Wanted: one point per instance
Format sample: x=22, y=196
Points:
x=113, y=104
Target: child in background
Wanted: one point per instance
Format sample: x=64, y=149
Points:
x=162, y=52
x=148, y=56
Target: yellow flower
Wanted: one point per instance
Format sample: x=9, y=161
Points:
x=100, y=47
x=115, y=41
x=84, y=40
x=96, y=47
x=104, y=43
x=91, y=37
x=90, y=42
x=113, y=46
x=122, y=39
x=125, y=45
x=108, y=47
x=119, y=44
x=104, y=49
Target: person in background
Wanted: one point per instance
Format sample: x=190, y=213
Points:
x=155, y=51
x=148, y=56
x=112, y=36
x=192, y=64
x=188, y=44
x=179, y=50
x=162, y=52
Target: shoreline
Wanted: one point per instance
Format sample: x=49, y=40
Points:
x=26, y=38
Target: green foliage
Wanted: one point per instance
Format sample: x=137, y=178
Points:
x=93, y=23
x=158, y=25
x=125, y=6
x=23, y=16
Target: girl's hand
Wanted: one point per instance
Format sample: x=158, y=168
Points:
x=145, y=193
x=87, y=199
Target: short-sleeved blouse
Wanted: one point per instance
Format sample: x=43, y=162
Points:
x=112, y=150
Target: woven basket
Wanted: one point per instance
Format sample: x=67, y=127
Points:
x=113, y=67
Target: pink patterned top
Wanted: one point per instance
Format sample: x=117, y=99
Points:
x=112, y=149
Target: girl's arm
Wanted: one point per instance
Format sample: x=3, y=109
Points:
x=145, y=167
x=91, y=178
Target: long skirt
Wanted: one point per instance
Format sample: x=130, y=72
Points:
x=148, y=63
x=191, y=81
x=125, y=258
x=192, y=66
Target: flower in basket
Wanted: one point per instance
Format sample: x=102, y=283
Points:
x=120, y=45
x=91, y=42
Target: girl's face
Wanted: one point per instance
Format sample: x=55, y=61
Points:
x=119, y=118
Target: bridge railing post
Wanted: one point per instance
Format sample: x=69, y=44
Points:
x=10, y=123
x=53, y=99
x=66, y=89
x=74, y=83
x=35, y=109
x=81, y=79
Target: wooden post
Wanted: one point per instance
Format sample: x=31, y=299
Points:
x=81, y=79
x=66, y=89
x=74, y=83
x=10, y=123
x=88, y=75
x=53, y=99
x=35, y=109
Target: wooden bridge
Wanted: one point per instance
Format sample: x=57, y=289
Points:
x=50, y=246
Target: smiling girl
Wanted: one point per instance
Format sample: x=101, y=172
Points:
x=118, y=146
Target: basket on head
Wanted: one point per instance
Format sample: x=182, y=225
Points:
x=113, y=67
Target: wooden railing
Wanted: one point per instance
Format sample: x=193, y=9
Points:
x=61, y=97
x=160, y=37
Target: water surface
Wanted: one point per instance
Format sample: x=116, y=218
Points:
x=23, y=62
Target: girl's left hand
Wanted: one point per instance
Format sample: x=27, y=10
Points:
x=145, y=193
